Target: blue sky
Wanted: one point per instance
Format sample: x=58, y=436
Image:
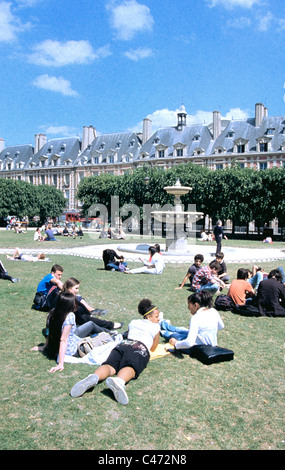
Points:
x=66, y=64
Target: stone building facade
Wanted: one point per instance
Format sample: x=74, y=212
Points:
x=258, y=142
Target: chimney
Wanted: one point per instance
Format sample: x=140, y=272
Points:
x=259, y=114
x=2, y=144
x=216, y=124
x=89, y=134
x=40, y=141
x=147, y=130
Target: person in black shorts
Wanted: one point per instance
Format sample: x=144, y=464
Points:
x=129, y=358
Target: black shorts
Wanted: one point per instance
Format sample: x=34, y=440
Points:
x=129, y=353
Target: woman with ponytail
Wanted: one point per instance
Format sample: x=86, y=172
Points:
x=204, y=324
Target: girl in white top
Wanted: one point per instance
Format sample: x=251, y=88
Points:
x=154, y=266
x=204, y=323
x=129, y=358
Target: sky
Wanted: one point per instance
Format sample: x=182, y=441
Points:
x=65, y=64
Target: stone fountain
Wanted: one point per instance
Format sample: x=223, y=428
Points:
x=177, y=219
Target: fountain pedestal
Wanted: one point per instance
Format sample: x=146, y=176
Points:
x=176, y=235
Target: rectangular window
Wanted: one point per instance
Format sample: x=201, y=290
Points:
x=179, y=152
x=263, y=147
x=240, y=148
x=161, y=154
x=262, y=166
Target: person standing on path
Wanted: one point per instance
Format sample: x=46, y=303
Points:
x=219, y=235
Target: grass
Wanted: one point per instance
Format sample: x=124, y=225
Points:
x=176, y=404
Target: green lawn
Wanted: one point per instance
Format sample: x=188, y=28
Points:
x=177, y=403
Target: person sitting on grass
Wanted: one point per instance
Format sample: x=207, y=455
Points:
x=206, y=279
x=271, y=295
x=223, y=275
x=44, y=286
x=84, y=312
x=198, y=260
x=204, y=324
x=112, y=260
x=129, y=358
x=241, y=289
x=63, y=333
x=154, y=266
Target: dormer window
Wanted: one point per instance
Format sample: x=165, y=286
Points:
x=219, y=150
x=62, y=148
x=111, y=159
x=270, y=131
x=102, y=146
x=240, y=145
x=199, y=151
x=230, y=134
x=156, y=140
x=50, y=149
x=196, y=137
x=263, y=144
x=132, y=143
x=118, y=145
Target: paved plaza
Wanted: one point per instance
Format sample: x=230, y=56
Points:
x=135, y=251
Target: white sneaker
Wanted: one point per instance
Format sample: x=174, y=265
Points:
x=80, y=387
x=118, y=388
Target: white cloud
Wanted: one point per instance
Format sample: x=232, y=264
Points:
x=138, y=54
x=166, y=118
x=239, y=23
x=229, y=4
x=55, y=53
x=57, y=84
x=65, y=131
x=10, y=25
x=129, y=17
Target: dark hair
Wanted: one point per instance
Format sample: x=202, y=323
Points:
x=215, y=265
x=152, y=250
x=145, y=306
x=220, y=255
x=66, y=303
x=276, y=274
x=242, y=273
x=56, y=267
x=157, y=247
x=203, y=298
x=200, y=257
x=70, y=282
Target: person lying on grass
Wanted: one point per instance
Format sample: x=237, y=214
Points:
x=129, y=358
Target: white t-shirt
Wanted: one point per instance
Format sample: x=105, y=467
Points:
x=143, y=330
x=203, y=329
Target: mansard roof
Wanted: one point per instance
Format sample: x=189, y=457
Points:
x=17, y=153
x=246, y=130
x=63, y=149
x=192, y=137
x=105, y=145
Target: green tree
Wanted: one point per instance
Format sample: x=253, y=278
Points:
x=50, y=202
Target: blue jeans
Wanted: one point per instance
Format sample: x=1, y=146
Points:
x=210, y=287
x=115, y=266
x=168, y=331
x=89, y=328
x=282, y=272
x=256, y=279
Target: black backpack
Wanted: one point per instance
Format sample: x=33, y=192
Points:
x=224, y=302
